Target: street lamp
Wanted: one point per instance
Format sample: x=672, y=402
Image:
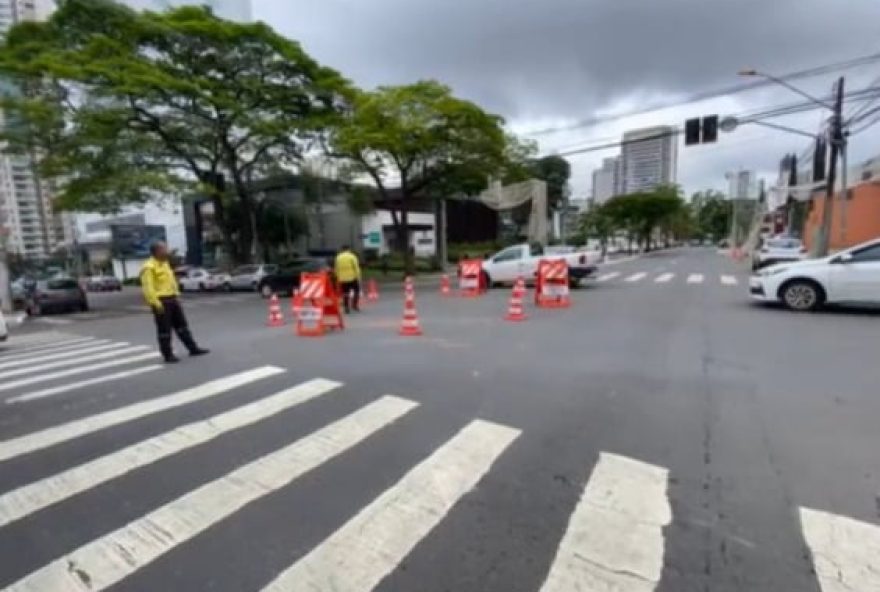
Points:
x=838, y=146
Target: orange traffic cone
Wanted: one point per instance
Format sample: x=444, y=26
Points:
x=276, y=317
x=515, y=309
x=444, y=285
x=372, y=291
x=410, y=325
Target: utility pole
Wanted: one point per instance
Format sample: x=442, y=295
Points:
x=836, y=140
x=844, y=192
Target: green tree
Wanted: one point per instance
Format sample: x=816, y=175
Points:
x=597, y=222
x=641, y=214
x=555, y=171
x=418, y=137
x=712, y=214
x=122, y=104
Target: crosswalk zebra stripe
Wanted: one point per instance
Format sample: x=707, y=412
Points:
x=664, y=278
x=607, y=276
x=728, y=280
x=369, y=546
x=50, y=436
x=846, y=552
x=35, y=496
x=70, y=354
x=614, y=539
x=695, y=278
x=636, y=277
x=70, y=386
x=5, y=386
x=28, y=350
x=111, y=558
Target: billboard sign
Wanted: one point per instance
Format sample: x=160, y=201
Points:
x=132, y=241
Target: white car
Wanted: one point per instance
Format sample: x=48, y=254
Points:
x=248, y=277
x=849, y=277
x=4, y=330
x=778, y=250
x=200, y=279
x=505, y=266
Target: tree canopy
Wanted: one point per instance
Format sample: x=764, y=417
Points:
x=642, y=216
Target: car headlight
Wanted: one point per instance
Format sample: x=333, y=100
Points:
x=772, y=271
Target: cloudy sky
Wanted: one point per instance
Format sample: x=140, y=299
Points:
x=551, y=63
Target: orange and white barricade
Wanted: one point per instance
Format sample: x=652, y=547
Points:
x=317, y=305
x=551, y=286
x=470, y=277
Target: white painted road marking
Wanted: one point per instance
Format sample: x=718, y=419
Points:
x=35, y=496
x=664, y=278
x=111, y=558
x=729, y=280
x=846, y=552
x=45, y=346
x=51, y=321
x=5, y=386
x=35, y=366
x=614, y=540
x=70, y=386
x=636, y=277
x=695, y=278
x=369, y=546
x=80, y=427
x=607, y=276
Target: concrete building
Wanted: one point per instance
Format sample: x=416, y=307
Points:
x=742, y=184
x=606, y=180
x=30, y=225
x=649, y=157
x=235, y=10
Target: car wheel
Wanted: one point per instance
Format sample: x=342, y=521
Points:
x=802, y=295
x=84, y=306
x=201, y=287
x=266, y=291
x=227, y=287
x=487, y=280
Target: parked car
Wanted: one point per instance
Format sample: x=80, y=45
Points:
x=286, y=277
x=778, y=250
x=4, y=330
x=103, y=283
x=248, y=277
x=201, y=279
x=54, y=295
x=522, y=260
x=849, y=277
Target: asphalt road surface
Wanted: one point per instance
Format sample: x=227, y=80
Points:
x=662, y=433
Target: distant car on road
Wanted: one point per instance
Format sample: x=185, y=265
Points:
x=849, y=277
x=200, y=279
x=286, y=277
x=505, y=266
x=55, y=295
x=248, y=277
x=4, y=330
x=778, y=250
x=103, y=283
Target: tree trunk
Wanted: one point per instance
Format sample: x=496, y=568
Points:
x=247, y=236
x=408, y=267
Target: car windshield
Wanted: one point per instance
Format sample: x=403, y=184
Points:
x=474, y=296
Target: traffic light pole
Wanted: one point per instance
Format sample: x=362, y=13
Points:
x=836, y=138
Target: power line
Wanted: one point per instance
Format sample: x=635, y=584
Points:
x=701, y=96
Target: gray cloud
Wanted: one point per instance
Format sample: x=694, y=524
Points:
x=558, y=60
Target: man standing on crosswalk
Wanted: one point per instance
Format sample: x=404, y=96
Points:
x=348, y=274
x=161, y=293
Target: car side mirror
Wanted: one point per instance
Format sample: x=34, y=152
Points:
x=843, y=258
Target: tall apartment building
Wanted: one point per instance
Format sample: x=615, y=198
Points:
x=742, y=184
x=234, y=10
x=31, y=226
x=606, y=180
x=649, y=157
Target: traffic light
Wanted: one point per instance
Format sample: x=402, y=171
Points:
x=701, y=131
x=692, y=131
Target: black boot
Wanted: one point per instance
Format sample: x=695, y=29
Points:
x=190, y=343
x=167, y=351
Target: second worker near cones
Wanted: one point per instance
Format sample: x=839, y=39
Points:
x=348, y=274
x=161, y=293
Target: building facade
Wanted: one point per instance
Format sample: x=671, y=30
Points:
x=742, y=184
x=31, y=227
x=234, y=10
x=649, y=157
x=606, y=180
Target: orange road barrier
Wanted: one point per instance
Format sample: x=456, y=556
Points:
x=276, y=317
x=373, y=291
x=445, y=290
x=551, y=287
x=515, y=311
x=317, y=305
x=470, y=278
x=409, y=327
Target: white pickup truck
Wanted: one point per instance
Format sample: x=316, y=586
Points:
x=507, y=265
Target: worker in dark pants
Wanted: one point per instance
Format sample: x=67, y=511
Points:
x=161, y=293
x=348, y=274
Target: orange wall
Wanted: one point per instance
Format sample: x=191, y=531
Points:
x=862, y=217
